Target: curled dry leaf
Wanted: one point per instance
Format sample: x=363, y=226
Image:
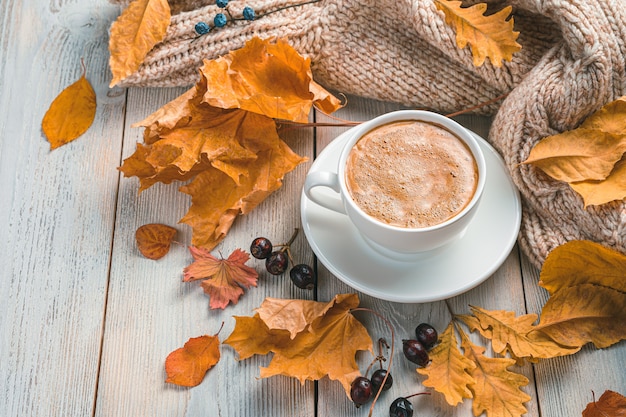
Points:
x=610, y=404
x=326, y=346
x=589, y=158
x=222, y=279
x=489, y=36
x=188, y=365
x=154, y=240
x=70, y=114
x=136, y=31
x=221, y=135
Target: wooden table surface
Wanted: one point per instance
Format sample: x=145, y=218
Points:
x=86, y=322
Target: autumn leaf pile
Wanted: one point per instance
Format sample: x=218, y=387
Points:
x=222, y=135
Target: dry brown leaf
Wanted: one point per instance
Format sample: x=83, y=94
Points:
x=222, y=279
x=188, y=365
x=266, y=77
x=610, y=404
x=583, y=262
x=291, y=315
x=234, y=157
x=136, y=31
x=496, y=390
x=70, y=114
x=154, y=240
x=489, y=36
x=574, y=316
x=449, y=371
x=325, y=347
x=512, y=333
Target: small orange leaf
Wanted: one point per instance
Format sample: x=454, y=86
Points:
x=222, y=279
x=71, y=113
x=489, y=36
x=610, y=404
x=188, y=365
x=141, y=25
x=154, y=240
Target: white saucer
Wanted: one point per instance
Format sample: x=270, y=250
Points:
x=451, y=270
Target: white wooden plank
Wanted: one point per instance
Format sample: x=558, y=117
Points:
x=57, y=209
x=405, y=317
x=151, y=312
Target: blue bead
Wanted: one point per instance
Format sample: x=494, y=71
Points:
x=221, y=3
x=220, y=20
x=248, y=13
x=202, y=28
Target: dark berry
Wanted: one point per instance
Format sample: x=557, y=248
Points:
x=302, y=276
x=426, y=335
x=276, y=263
x=361, y=390
x=220, y=20
x=221, y=3
x=202, y=28
x=415, y=352
x=377, y=379
x=261, y=248
x=248, y=13
x=401, y=407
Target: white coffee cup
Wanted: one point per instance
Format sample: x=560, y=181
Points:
x=390, y=240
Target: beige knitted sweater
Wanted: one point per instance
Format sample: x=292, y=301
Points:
x=572, y=62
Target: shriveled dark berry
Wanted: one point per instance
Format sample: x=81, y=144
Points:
x=377, y=379
x=401, y=407
x=261, y=248
x=277, y=262
x=415, y=352
x=302, y=276
x=426, y=335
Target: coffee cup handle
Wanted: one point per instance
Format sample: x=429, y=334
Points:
x=324, y=179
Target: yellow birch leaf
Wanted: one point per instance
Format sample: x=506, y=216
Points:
x=584, y=313
x=613, y=187
x=578, y=155
x=496, y=391
x=510, y=332
x=449, y=371
x=583, y=262
x=490, y=36
x=136, y=31
x=70, y=114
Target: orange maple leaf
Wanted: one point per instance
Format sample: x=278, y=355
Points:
x=154, y=240
x=188, y=365
x=325, y=346
x=222, y=279
x=70, y=114
x=222, y=134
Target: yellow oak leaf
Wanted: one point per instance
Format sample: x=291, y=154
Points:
x=449, y=371
x=267, y=77
x=325, y=347
x=509, y=332
x=490, y=36
x=136, y=31
x=188, y=365
x=154, y=240
x=70, y=114
x=222, y=279
x=583, y=262
x=496, y=390
x=576, y=315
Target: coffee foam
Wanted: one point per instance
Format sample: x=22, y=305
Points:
x=411, y=174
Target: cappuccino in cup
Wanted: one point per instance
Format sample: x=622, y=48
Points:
x=411, y=174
